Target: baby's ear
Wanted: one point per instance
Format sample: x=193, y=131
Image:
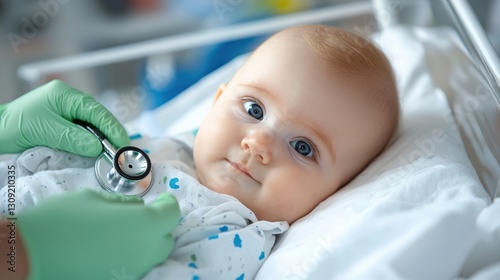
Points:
x=221, y=88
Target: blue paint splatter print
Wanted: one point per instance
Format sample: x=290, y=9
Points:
x=213, y=237
x=135, y=136
x=237, y=241
x=193, y=265
x=173, y=183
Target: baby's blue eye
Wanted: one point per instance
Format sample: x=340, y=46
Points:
x=254, y=110
x=302, y=147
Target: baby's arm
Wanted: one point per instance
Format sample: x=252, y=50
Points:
x=219, y=243
x=31, y=189
x=41, y=159
x=44, y=158
x=229, y=254
x=42, y=172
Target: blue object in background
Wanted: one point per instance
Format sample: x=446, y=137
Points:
x=168, y=76
x=173, y=74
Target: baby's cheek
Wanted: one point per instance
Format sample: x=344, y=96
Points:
x=309, y=190
x=214, y=177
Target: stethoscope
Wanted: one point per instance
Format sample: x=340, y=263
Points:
x=126, y=170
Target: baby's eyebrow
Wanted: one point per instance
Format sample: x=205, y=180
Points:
x=258, y=88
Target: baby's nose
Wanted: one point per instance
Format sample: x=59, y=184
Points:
x=259, y=143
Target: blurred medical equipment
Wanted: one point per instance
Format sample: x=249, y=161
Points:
x=126, y=170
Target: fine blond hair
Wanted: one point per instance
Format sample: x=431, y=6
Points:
x=355, y=55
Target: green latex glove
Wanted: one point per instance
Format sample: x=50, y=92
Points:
x=97, y=235
x=43, y=117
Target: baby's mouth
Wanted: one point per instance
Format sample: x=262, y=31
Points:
x=241, y=168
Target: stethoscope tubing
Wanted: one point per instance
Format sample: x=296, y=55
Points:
x=108, y=148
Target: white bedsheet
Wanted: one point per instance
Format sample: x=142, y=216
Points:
x=418, y=212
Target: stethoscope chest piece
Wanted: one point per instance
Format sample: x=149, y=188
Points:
x=126, y=171
x=112, y=179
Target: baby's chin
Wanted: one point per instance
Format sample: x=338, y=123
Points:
x=201, y=179
x=207, y=184
x=275, y=218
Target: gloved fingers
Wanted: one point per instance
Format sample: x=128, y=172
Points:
x=163, y=249
x=86, y=108
x=82, y=142
x=70, y=137
x=73, y=104
x=166, y=211
x=88, y=195
x=116, y=197
x=103, y=120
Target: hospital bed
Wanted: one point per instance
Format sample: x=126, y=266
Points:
x=428, y=207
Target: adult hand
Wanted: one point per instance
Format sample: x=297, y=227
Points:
x=44, y=117
x=97, y=235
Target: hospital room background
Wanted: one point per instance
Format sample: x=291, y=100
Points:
x=46, y=29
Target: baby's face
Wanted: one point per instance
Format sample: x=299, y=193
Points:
x=284, y=134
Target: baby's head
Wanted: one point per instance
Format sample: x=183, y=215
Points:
x=308, y=110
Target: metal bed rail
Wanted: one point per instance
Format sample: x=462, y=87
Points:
x=34, y=72
x=480, y=129
x=474, y=37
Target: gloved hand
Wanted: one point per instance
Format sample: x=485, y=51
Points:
x=43, y=117
x=97, y=235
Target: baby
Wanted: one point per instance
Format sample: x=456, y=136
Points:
x=308, y=110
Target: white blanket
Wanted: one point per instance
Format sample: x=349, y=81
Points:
x=217, y=238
